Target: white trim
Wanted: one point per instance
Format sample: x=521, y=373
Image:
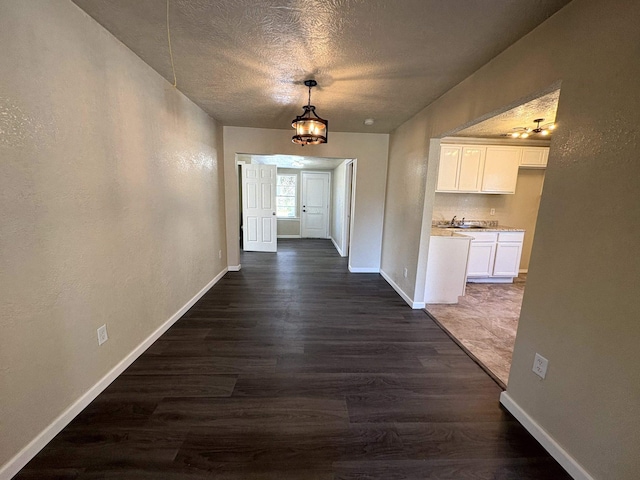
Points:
x=399, y=291
x=289, y=218
x=542, y=436
x=335, y=244
x=363, y=269
x=13, y=466
x=289, y=236
x=234, y=268
x=349, y=200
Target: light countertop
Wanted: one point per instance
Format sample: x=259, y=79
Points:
x=448, y=232
x=460, y=232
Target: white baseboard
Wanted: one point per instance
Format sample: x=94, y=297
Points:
x=13, y=466
x=289, y=236
x=363, y=270
x=234, y=268
x=399, y=291
x=335, y=244
x=567, y=462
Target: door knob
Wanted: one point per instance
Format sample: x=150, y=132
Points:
x=273, y=213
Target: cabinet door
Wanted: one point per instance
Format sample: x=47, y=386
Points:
x=449, y=169
x=501, y=169
x=471, y=164
x=481, y=257
x=534, y=157
x=507, y=263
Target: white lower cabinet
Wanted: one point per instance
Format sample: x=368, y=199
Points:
x=508, y=253
x=482, y=255
x=494, y=257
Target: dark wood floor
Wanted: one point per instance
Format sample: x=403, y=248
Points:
x=295, y=369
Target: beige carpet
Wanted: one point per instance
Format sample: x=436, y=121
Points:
x=485, y=323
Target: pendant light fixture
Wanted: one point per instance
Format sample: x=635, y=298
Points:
x=310, y=128
x=526, y=132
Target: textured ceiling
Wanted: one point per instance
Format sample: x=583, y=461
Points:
x=544, y=107
x=244, y=61
x=293, y=161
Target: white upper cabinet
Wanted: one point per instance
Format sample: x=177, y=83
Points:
x=460, y=168
x=534, y=157
x=485, y=168
x=471, y=165
x=449, y=168
x=501, y=169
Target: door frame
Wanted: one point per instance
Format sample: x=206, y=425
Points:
x=349, y=204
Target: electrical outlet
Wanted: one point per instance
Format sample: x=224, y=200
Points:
x=219, y=253
x=406, y=272
x=540, y=365
x=102, y=335
x=493, y=211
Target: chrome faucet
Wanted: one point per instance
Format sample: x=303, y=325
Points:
x=462, y=221
x=453, y=220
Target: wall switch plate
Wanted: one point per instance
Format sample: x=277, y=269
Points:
x=540, y=365
x=406, y=272
x=219, y=253
x=493, y=211
x=102, y=335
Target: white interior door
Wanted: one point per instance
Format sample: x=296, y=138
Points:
x=259, y=219
x=315, y=205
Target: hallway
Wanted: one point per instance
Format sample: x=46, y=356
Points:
x=294, y=368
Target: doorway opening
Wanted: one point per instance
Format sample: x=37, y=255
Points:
x=499, y=225
x=309, y=197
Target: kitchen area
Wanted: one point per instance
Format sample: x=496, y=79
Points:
x=490, y=182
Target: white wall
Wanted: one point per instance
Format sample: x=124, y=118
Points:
x=111, y=208
x=581, y=306
x=370, y=149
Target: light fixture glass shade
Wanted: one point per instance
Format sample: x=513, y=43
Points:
x=310, y=128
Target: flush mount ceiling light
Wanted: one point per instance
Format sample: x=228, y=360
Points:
x=310, y=128
x=526, y=132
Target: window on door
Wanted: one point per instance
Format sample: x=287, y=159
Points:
x=286, y=196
